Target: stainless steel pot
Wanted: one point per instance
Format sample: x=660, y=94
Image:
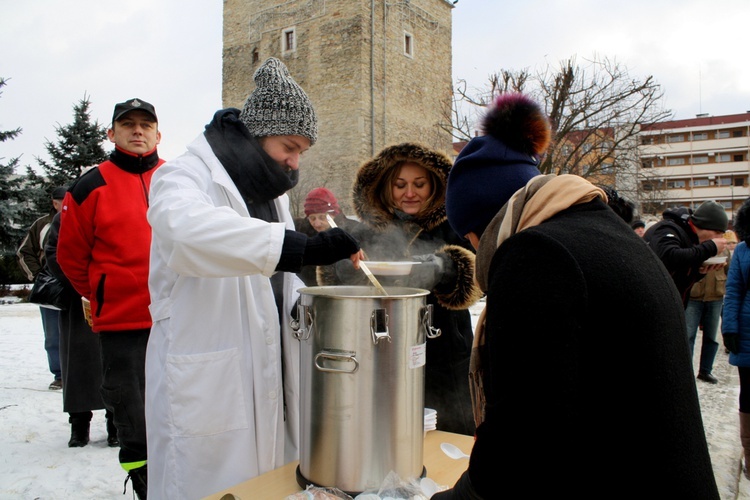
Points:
x=362, y=385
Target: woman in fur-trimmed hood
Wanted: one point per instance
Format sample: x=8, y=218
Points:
x=399, y=196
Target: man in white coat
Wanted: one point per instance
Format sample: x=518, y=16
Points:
x=222, y=366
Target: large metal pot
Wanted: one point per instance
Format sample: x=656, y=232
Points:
x=362, y=385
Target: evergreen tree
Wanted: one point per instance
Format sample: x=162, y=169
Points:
x=79, y=146
x=12, y=209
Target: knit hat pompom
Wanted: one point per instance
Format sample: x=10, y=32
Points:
x=278, y=105
x=320, y=201
x=519, y=122
x=492, y=167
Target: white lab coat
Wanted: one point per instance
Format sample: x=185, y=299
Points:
x=215, y=393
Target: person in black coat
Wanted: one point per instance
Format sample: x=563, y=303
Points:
x=80, y=357
x=579, y=395
x=399, y=197
x=683, y=240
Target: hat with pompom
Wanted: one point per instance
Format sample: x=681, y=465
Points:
x=320, y=201
x=278, y=105
x=492, y=167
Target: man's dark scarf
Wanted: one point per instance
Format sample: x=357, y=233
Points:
x=258, y=177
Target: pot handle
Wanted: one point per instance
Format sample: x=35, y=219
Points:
x=336, y=356
x=302, y=330
x=379, y=326
x=430, y=330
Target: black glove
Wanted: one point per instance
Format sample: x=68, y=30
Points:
x=463, y=490
x=732, y=342
x=328, y=247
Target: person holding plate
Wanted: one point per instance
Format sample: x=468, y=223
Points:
x=399, y=196
x=685, y=239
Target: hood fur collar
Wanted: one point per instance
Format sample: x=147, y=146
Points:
x=370, y=180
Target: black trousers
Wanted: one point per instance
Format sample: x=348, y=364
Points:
x=123, y=390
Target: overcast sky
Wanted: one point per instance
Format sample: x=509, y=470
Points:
x=168, y=52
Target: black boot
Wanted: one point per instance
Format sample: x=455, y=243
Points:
x=79, y=429
x=139, y=478
x=112, y=440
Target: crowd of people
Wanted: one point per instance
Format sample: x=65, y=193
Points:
x=180, y=280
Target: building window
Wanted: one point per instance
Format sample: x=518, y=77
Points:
x=723, y=158
x=726, y=204
x=699, y=183
x=408, y=45
x=288, y=40
x=722, y=134
x=698, y=159
x=700, y=136
x=676, y=184
x=738, y=133
x=675, y=161
x=739, y=157
x=646, y=140
x=724, y=181
x=647, y=163
x=676, y=138
x=608, y=168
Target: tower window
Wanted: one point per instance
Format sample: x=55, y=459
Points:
x=288, y=40
x=408, y=45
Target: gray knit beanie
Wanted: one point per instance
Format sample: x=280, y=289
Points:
x=710, y=215
x=278, y=105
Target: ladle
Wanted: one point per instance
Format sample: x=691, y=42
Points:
x=453, y=451
x=362, y=265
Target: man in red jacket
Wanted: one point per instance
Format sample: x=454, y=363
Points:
x=103, y=249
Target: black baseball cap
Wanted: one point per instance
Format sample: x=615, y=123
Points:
x=131, y=105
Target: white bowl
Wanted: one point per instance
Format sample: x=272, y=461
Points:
x=382, y=268
x=719, y=259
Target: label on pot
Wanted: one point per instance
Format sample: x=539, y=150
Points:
x=418, y=355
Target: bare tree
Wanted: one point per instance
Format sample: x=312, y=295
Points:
x=596, y=112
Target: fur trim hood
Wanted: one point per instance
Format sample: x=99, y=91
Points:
x=373, y=174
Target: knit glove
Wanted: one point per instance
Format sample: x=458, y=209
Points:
x=732, y=342
x=328, y=247
x=463, y=490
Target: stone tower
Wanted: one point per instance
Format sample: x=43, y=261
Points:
x=377, y=71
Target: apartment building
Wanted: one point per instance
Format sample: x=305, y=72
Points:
x=686, y=162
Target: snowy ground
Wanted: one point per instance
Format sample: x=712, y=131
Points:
x=36, y=463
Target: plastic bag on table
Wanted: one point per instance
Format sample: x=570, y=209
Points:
x=319, y=493
x=394, y=487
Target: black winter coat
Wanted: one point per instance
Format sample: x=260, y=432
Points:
x=677, y=245
x=592, y=390
x=80, y=354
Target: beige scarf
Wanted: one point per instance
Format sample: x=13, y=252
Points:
x=541, y=198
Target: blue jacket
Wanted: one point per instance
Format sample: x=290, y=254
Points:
x=735, y=317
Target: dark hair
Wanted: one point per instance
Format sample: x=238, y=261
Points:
x=742, y=222
x=622, y=207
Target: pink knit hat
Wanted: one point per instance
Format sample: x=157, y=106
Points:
x=321, y=200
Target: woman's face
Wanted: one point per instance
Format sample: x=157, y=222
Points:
x=412, y=188
x=319, y=222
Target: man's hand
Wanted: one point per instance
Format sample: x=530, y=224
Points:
x=721, y=244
